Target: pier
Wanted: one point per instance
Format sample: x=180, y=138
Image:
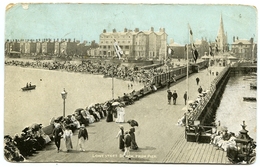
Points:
x=159, y=139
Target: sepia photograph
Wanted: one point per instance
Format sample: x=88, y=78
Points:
x=130, y=83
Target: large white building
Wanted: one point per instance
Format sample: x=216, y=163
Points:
x=134, y=44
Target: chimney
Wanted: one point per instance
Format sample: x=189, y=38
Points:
x=237, y=38
x=125, y=30
x=104, y=31
x=136, y=29
x=234, y=38
x=251, y=40
x=152, y=29
x=163, y=29
x=114, y=30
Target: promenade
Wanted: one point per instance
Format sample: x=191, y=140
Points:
x=159, y=139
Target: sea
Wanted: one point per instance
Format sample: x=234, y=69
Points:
x=233, y=110
x=24, y=108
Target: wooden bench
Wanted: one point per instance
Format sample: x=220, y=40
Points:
x=203, y=138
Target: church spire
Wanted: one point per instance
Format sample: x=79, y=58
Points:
x=221, y=38
x=221, y=27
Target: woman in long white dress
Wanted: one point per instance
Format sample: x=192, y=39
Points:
x=121, y=114
x=67, y=137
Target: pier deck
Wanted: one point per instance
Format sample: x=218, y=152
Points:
x=159, y=139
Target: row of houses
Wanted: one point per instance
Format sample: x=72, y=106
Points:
x=47, y=47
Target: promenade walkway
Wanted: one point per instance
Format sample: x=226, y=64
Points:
x=159, y=139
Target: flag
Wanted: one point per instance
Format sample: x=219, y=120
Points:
x=216, y=47
x=118, y=50
x=170, y=51
x=195, y=54
x=210, y=51
x=191, y=34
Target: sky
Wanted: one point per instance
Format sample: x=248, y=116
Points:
x=87, y=21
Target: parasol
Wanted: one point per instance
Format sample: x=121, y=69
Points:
x=190, y=101
x=185, y=108
x=91, y=105
x=78, y=110
x=115, y=103
x=132, y=122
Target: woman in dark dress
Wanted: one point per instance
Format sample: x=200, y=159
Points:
x=120, y=135
x=109, y=113
x=133, y=142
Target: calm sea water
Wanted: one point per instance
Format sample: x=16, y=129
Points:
x=40, y=105
x=233, y=110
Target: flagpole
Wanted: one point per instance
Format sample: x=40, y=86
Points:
x=112, y=85
x=187, y=78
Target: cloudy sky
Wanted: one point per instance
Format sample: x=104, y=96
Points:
x=87, y=21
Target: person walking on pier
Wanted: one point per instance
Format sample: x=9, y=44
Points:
x=185, y=97
x=120, y=135
x=82, y=136
x=174, y=97
x=127, y=143
x=169, y=96
x=133, y=141
x=67, y=138
x=200, y=89
x=57, y=133
x=197, y=80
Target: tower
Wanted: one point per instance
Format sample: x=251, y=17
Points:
x=221, y=38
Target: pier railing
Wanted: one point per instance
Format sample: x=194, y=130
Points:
x=194, y=115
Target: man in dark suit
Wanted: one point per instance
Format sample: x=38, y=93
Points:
x=174, y=97
x=197, y=80
x=185, y=97
x=57, y=133
x=200, y=89
x=169, y=96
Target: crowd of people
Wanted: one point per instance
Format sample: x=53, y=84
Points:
x=107, y=69
x=32, y=138
x=28, y=142
x=192, y=104
x=127, y=140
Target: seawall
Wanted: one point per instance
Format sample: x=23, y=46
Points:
x=206, y=111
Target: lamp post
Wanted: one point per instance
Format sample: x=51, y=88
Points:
x=64, y=96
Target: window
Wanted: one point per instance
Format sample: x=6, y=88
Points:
x=126, y=47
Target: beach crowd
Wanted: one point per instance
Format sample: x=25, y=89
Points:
x=107, y=69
